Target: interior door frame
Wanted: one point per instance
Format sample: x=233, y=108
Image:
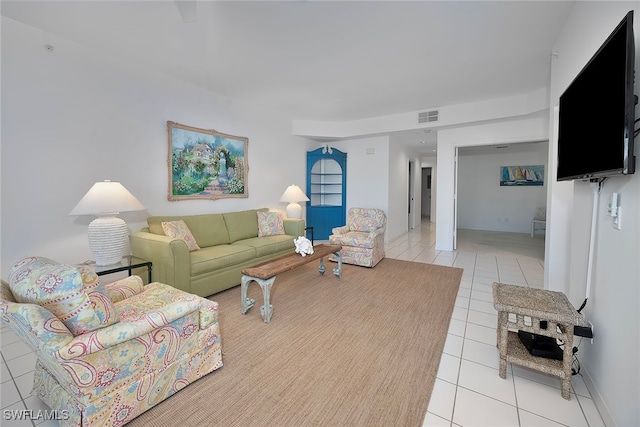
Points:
x=412, y=196
x=455, y=199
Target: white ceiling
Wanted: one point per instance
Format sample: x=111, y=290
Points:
x=323, y=60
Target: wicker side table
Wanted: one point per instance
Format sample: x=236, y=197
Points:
x=530, y=306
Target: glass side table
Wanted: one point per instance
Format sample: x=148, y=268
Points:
x=128, y=263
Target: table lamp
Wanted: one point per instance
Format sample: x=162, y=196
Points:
x=108, y=234
x=293, y=194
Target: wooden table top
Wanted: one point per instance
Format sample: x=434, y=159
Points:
x=288, y=262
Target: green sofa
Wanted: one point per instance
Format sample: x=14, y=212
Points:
x=228, y=244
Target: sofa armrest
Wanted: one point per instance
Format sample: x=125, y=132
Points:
x=340, y=230
x=293, y=226
x=170, y=258
x=124, y=288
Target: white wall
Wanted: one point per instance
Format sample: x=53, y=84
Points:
x=529, y=129
x=367, y=171
x=378, y=179
x=611, y=365
x=73, y=116
x=483, y=204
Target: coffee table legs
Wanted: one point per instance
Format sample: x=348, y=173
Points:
x=267, y=309
x=336, y=271
x=265, y=284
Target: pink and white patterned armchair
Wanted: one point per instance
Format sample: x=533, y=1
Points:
x=107, y=353
x=362, y=239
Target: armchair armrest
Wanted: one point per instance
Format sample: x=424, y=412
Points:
x=170, y=257
x=37, y=326
x=136, y=326
x=124, y=288
x=377, y=232
x=208, y=313
x=340, y=230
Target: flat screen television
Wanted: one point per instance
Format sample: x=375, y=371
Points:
x=597, y=112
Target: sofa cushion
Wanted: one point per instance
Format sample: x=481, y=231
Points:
x=179, y=230
x=243, y=224
x=268, y=245
x=216, y=257
x=208, y=229
x=61, y=289
x=269, y=224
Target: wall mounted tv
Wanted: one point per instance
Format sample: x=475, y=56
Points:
x=597, y=112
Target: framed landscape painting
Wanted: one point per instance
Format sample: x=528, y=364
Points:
x=206, y=164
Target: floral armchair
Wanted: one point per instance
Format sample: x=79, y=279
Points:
x=107, y=353
x=362, y=239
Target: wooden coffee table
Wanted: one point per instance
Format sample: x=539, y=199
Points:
x=264, y=274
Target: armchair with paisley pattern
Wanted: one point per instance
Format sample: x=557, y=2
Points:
x=107, y=353
x=362, y=238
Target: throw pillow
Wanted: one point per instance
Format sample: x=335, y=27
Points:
x=179, y=230
x=97, y=293
x=269, y=224
x=60, y=289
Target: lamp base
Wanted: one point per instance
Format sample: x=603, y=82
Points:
x=108, y=239
x=294, y=210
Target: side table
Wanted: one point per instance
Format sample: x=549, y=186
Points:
x=529, y=307
x=128, y=263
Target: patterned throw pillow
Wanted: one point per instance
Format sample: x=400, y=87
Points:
x=97, y=293
x=61, y=289
x=269, y=224
x=179, y=230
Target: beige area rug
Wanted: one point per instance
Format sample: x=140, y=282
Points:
x=360, y=350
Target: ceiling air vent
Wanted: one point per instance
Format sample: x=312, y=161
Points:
x=428, y=116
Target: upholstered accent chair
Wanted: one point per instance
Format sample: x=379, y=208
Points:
x=107, y=353
x=362, y=239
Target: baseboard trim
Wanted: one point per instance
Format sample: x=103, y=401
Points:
x=601, y=406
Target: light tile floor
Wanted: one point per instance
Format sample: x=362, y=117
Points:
x=467, y=392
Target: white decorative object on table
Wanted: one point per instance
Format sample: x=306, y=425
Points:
x=303, y=246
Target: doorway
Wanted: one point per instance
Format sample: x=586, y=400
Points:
x=426, y=192
x=412, y=189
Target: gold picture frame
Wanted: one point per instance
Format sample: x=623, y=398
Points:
x=206, y=164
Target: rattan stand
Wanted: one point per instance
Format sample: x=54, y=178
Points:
x=527, y=308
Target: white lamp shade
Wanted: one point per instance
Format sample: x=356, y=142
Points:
x=108, y=235
x=293, y=193
x=107, y=197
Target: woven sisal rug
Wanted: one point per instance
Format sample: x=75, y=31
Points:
x=360, y=350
